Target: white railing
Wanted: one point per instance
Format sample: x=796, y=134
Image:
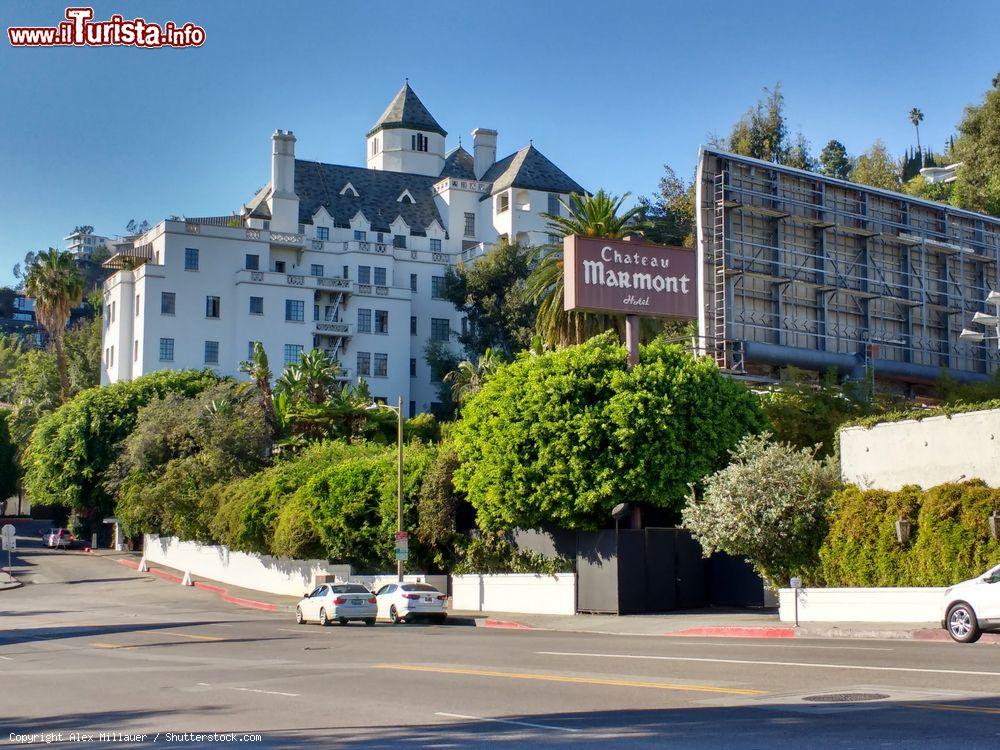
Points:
x=277, y=278
x=335, y=328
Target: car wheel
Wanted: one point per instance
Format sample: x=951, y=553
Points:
x=298, y=616
x=323, y=619
x=370, y=622
x=394, y=616
x=962, y=623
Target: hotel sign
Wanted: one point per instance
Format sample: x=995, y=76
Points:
x=635, y=278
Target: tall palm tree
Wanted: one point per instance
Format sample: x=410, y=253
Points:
x=259, y=370
x=469, y=376
x=55, y=282
x=916, y=117
x=593, y=216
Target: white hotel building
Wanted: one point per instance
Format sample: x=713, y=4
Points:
x=348, y=259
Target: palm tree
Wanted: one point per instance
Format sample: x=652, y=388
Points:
x=592, y=216
x=916, y=117
x=469, y=376
x=319, y=374
x=55, y=282
x=259, y=370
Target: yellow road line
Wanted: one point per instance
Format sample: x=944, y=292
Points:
x=109, y=645
x=183, y=635
x=949, y=707
x=578, y=680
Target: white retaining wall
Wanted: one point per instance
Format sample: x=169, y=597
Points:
x=863, y=605
x=275, y=575
x=927, y=452
x=526, y=593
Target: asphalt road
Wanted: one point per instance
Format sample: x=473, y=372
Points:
x=91, y=647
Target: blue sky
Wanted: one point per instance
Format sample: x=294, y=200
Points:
x=609, y=91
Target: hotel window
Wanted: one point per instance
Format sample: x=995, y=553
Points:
x=347, y=272
x=322, y=233
x=190, y=259
x=435, y=246
x=364, y=320
x=212, y=306
x=256, y=305
x=503, y=202
x=437, y=287
x=413, y=325
x=292, y=353
x=381, y=366
x=166, y=350
x=211, y=352
x=470, y=225
x=360, y=235
x=413, y=409
x=555, y=239
x=168, y=303
x=252, y=262
x=364, y=274
x=316, y=269
x=413, y=282
x=465, y=326
x=374, y=146
x=295, y=310
x=381, y=321
x=135, y=350
x=413, y=367
x=364, y=363
x=554, y=204
x=279, y=266
x=440, y=329
x=379, y=276
x=315, y=315
x=399, y=240
x=418, y=142
x=137, y=306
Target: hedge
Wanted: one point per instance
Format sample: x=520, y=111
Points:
x=949, y=536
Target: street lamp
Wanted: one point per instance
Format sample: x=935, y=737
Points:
x=975, y=336
x=398, y=409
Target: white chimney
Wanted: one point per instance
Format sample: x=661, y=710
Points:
x=484, y=150
x=284, y=201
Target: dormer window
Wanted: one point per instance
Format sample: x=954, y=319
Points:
x=418, y=142
x=349, y=188
x=503, y=203
x=374, y=146
x=405, y=197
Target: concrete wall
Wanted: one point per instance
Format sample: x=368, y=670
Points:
x=863, y=605
x=515, y=592
x=928, y=452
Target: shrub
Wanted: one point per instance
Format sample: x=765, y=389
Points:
x=494, y=553
x=768, y=506
x=562, y=437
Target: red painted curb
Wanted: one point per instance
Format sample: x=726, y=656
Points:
x=737, y=632
x=250, y=603
x=506, y=624
x=209, y=587
x=941, y=635
x=129, y=563
x=165, y=574
x=240, y=601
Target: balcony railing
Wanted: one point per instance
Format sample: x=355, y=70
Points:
x=334, y=328
x=218, y=221
x=277, y=278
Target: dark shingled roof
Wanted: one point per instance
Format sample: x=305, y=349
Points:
x=407, y=111
x=319, y=184
x=530, y=169
x=459, y=163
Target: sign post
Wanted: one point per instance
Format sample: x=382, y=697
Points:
x=796, y=584
x=402, y=546
x=8, y=541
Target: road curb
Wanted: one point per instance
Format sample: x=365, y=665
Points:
x=490, y=622
x=730, y=631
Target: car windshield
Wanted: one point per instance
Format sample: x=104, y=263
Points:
x=418, y=587
x=349, y=588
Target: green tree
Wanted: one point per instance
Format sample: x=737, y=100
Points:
x=768, y=506
x=834, y=161
x=71, y=448
x=670, y=214
x=599, y=215
x=916, y=117
x=491, y=292
x=10, y=470
x=33, y=389
x=562, y=437
x=259, y=370
x=54, y=280
x=876, y=168
x=762, y=131
x=82, y=347
x=798, y=154
x=467, y=379
x=977, y=184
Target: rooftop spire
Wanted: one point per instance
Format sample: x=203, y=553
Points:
x=407, y=111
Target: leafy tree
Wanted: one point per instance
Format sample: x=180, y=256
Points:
x=977, y=184
x=33, y=389
x=768, y=506
x=669, y=215
x=798, y=155
x=834, y=161
x=57, y=286
x=423, y=427
x=876, y=168
x=597, y=215
x=562, y=437
x=82, y=347
x=71, y=448
x=180, y=447
x=916, y=117
x=437, y=507
x=467, y=379
x=491, y=292
x=259, y=370
x=314, y=376
x=441, y=360
x=10, y=471
x=762, y=131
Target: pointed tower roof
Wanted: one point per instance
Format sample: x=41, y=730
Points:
x=529, y=168
x=407, y=111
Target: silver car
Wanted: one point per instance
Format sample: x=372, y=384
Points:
x=337, y=602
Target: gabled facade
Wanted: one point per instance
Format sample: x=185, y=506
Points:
x=348, y=259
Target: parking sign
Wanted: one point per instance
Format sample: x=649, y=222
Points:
x=8, y=538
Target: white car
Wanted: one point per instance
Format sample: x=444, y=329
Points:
x=972, y=606
x=337, y=602
x=403, y=602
